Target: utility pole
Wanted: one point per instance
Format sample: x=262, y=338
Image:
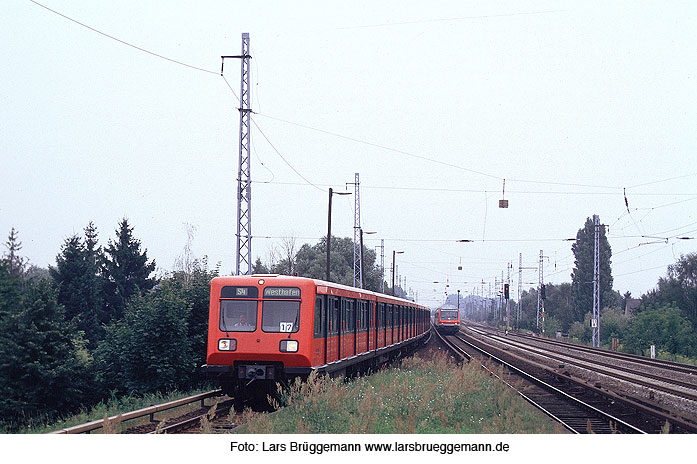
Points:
x=382, y=265
x=595, y=321
x=394, y=268
x=243, y=258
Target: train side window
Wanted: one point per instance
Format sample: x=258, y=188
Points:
x=342, y=315
x=319, y=317
x=333, y=315
x=366, y=315
x=351, y=313
x=359, y=315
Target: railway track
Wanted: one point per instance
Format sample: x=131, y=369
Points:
x=205, y=419
x=637, y=371
x=574, y=414
x=600, y=385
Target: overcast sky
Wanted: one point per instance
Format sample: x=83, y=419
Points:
x=433, y=103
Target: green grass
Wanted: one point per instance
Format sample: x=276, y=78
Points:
x=110, y=408
x=420, y=396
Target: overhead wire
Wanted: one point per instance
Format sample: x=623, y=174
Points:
x=123, y=41
x=283, y=157
x=406, y=153
x=459, y=167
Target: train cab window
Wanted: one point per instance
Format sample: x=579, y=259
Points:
x=448, y=314
x=280, y=316
x=238, y=315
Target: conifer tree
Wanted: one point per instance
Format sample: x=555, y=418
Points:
x=10, y=286
x=125, y=271
x=41, y=369
x=15, y=262
x=78, y=283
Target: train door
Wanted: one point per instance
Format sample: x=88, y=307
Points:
x=379, y=325
x=371, y=326
x=348, y=327
x=333, y=328
x=390, y=325
x=400, y=323
x=319, y=335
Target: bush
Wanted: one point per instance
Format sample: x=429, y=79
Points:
x=148, y=350
x=663, y=326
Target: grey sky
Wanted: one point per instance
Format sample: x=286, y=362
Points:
x=570, y=102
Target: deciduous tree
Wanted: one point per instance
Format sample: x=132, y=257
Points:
x=149, y=349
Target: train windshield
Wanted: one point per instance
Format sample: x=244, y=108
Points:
x=238, y=316
x=448, y=314
x=280, y=316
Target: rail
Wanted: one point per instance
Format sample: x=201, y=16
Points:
x=151, y=411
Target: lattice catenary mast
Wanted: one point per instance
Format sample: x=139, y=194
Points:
x=357, y=255
x=243, y=252
x=540, y=300
x=595, y=321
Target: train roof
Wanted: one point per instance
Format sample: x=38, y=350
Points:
x=448, y=306
x=323, y=283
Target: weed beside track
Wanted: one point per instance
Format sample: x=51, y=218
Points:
x=419, y=396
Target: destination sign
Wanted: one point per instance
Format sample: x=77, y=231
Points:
x=239, y=292
x=281, y=292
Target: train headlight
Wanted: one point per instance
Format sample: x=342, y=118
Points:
x=227, y=344
x=289, y=346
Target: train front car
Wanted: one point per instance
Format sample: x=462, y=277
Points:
x=259, y=332
x=448, y=319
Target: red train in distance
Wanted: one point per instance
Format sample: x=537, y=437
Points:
x=265, y=329
x=447, y=319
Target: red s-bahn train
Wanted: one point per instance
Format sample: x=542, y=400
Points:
x=447, y=319
x=265, y=329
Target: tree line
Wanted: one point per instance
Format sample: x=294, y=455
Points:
x=96, y=325
x=99, y=324
x=665, y=317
